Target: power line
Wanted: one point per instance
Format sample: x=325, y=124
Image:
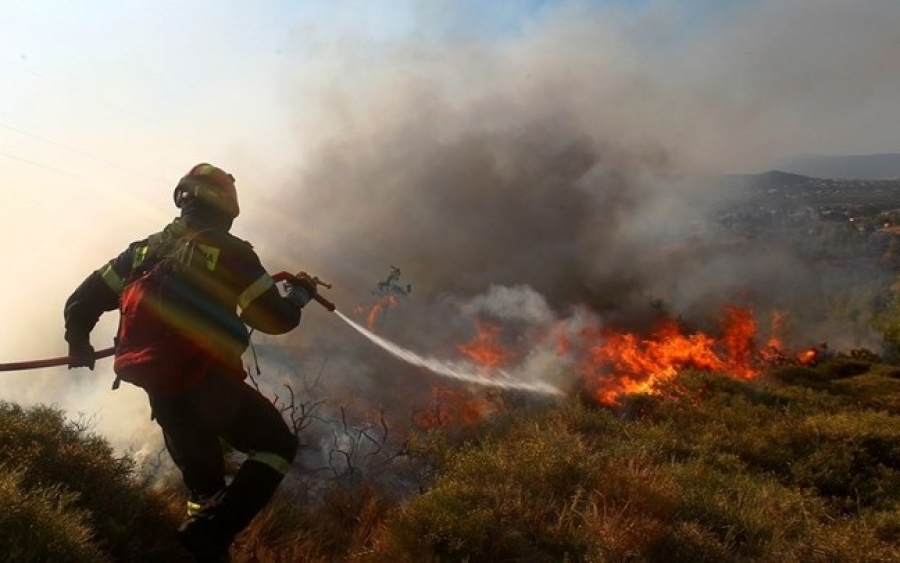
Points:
x=86, y=96
x=89, y=96
x=107, y=161
x=90, y=182
x=44, y=166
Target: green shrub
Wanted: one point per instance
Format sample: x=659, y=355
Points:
x=513, y=496
x=850, y=456
x=38, y=525
x=295, y=527
x=128, y=521
x=840, y=367
x=801, y=375
x=709, y=469
x=879, y=390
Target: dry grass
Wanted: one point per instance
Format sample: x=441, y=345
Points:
x=802, y=467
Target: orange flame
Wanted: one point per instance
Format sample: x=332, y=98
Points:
x=612, y=363
x=808, y=356
x=484, y=349
x=619, y=363
x=378, y=309
x=452, y=407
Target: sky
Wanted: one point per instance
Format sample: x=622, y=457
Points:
x=353, y=127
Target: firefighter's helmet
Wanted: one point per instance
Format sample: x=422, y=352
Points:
x=211, y=185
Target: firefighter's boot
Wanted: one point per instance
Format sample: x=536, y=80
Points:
x=205, y=542
x=197, y=502
x=209, y=533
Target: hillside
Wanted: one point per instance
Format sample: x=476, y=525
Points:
x=799, y=466
x=845, y=167
x=777, y=184
x=776, y=200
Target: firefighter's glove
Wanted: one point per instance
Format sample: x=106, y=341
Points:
x=81, y=355
x=302, y=290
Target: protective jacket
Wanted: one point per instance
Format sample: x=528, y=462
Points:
x=208, y=286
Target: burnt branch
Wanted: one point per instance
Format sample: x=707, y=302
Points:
x=299, y=414
x=360, y=449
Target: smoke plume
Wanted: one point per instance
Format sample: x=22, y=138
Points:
x=570, y=163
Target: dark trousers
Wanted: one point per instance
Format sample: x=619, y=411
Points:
x=219, y=407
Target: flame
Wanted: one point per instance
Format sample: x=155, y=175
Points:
x=775, y=353
x=452, y=407
x=778, y=324
x=808, y=356
x=377, y=310
x=455, y=406
x=612, y=363
x=484, y=349
x=618, y=363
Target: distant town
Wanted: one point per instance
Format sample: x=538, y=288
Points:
x=863, y=211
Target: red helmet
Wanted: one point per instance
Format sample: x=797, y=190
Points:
x=211, y=185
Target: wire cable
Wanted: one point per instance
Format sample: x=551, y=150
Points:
x=106, y=161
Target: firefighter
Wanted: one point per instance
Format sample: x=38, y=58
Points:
x=181, y=337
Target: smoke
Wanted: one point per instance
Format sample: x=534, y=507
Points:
x=519, y=303
x=568, y=166
x=564, y=157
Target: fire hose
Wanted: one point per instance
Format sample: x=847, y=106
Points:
x=285, y=277
x=50, y=362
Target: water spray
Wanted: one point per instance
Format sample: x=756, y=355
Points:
x=460, y=371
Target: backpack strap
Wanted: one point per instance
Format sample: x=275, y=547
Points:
x=145, y=255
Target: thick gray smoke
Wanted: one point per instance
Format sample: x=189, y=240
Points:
x=569, y=160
